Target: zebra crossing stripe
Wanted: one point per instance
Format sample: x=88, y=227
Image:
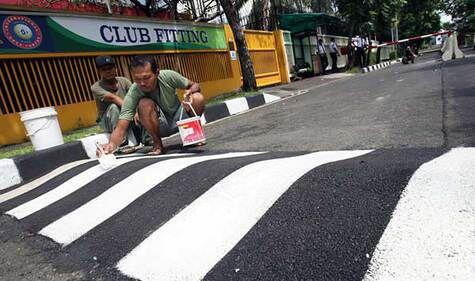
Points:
x=61, y=191
x=431, y=233
x=41, y=180
x=80, y=221
x=66, y=188
x=192, y=242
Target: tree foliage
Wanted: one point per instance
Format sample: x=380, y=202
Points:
x=419, y=17
x=462, y=12
x=414, y=17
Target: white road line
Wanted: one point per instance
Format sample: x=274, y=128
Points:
x=192, y=242
x=83, y=219
x=237, y=105
x=431, y=235
x=66, y=188
x=41, y=180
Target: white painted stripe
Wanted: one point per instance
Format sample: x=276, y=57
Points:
x=80, y=221
x=191, y=243
x=371, y=68
x=270, y=98
x=61, y=191
x=237, y=105
x=89, y=143
x=9, y=175
x=203, y=119
x=66, y=188
x=41, y=180
x=403, y=40
x=431, y=235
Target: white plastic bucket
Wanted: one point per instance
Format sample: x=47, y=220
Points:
x=42, y=127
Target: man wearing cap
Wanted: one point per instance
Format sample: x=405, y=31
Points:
x=109, y=93
x=154, y=97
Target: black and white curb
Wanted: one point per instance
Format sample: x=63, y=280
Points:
x=28, y=167
x=235, y=106
x=377, y=66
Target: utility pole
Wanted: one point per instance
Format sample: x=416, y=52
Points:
x=396, y=26
x=395, y=33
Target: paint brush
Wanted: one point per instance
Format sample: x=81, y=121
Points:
x=107, y=161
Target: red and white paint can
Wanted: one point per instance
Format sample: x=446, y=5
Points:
x=191, y=131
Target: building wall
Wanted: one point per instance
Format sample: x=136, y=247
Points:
x=63, y=80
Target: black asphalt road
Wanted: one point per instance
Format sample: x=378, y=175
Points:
x=328, y=223
x=427, y=104
x=325, y=227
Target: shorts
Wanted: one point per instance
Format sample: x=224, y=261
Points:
x=168, y=126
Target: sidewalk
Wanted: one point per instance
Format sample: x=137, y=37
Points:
x=304, y=85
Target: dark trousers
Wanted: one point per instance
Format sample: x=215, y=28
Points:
x=334, y=57
x=360, y=59
x=323, y=62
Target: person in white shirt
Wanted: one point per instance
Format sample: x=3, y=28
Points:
x=334, y=54
x=323, y=55
x=359, y=51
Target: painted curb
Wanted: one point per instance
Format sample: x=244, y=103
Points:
x=27, y=167
x=378, y=66
x=234, y=106
x=9, y=175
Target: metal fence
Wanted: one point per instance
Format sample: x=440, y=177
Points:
x=54, y=81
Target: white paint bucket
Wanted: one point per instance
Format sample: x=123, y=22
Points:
x=190, y=129
x=42, y=127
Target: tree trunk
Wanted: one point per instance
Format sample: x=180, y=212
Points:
x=173, y=4
x=247, y=68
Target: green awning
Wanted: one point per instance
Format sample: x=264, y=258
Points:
x=305, y=22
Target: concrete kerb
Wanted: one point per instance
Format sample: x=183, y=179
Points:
x=27, y=167
x=378, y=66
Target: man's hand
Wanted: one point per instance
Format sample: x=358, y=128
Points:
x=136, y=118
x=187, y=97
x=107, y=148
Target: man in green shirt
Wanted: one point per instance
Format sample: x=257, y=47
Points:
x=154, y=97
x=109, y=93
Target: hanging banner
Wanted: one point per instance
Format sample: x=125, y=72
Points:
x=43, y=34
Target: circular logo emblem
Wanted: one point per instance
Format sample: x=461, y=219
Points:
x=22, y=32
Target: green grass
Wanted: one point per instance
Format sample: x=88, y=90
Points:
x=373, y=58
x=25, y=148
x=15, y=150
x=354, y=69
